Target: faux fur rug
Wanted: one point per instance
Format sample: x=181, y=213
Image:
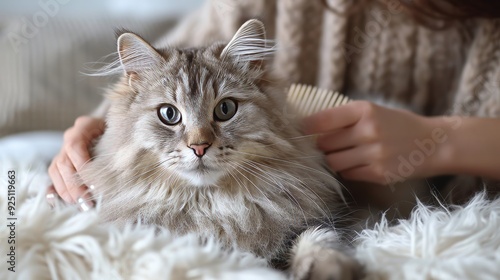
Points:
x=64, y=243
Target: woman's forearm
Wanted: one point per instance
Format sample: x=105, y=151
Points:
x=473, y=147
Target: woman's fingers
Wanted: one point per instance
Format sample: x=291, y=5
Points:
x=368, y=163
x=338, y=140
x=350, y=158
x=332, y=119
x=78, y=139
x=367, y=173
x=78, y=154
x=51, y=195
x=89, y=127
x=68, y=174
x=66, y=185
x=84, y=201
x=58, y=182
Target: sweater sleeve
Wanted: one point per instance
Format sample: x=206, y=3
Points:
x=218, y=20
x=478, y=95
x=479, y=88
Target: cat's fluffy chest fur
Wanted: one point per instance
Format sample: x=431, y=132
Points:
x=202, y=141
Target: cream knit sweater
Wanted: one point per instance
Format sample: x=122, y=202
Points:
x=378, y=50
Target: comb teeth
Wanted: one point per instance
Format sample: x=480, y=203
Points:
x=309, y=100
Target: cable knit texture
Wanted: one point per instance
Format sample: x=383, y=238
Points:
x=377, y=50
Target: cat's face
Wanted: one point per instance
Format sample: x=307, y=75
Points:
x=200, y=113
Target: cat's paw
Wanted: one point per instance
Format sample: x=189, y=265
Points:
x=318, y=254
x=325, y=264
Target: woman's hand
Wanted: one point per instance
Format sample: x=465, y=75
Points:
x=73, y=155
x=366, y=142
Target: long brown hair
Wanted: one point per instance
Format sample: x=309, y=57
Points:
x=430, y=12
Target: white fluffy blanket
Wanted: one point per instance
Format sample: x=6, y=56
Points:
x=64, y=243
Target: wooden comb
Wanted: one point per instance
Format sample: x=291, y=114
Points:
x=309, y=99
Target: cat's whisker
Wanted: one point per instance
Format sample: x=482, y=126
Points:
x=161, y=185
x=302, y=184
x=306, y=155
x=302, y=137
x=291, y=175
x=162, y=172
x=103, y=68
x=278, y=144
x=104, y=168
x=153, y=168
x=275, y=183
x=240, y=183
x=255, y=185
x=285, y=161
x=280, y=181
x=280, y=186
x=262, y=176
x=124, y=185
x=107, y=166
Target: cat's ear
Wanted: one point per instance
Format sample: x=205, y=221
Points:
x=137, y=55
x=249, y=46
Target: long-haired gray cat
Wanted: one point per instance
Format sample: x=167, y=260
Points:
x=200, y=141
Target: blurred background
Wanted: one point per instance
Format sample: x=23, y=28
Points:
x=145, y=9
x=47, y=46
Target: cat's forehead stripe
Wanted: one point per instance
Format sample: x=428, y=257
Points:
x=189, y=56
x=192, y=71
x=196, y=74
x=199, y=74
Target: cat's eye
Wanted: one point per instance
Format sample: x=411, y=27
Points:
x=225, y=110
x=169, y=115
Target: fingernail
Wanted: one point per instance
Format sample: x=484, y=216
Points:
x=51, y=199
x=84, y=205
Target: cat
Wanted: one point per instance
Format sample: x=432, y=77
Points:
x=199, y=141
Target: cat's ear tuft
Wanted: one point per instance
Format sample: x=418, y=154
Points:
x=136, y=55
x=248, y=45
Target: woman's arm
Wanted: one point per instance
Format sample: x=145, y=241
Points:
x=473, y=147
x=366, y=142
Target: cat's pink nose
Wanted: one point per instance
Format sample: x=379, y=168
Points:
x=199, y=149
